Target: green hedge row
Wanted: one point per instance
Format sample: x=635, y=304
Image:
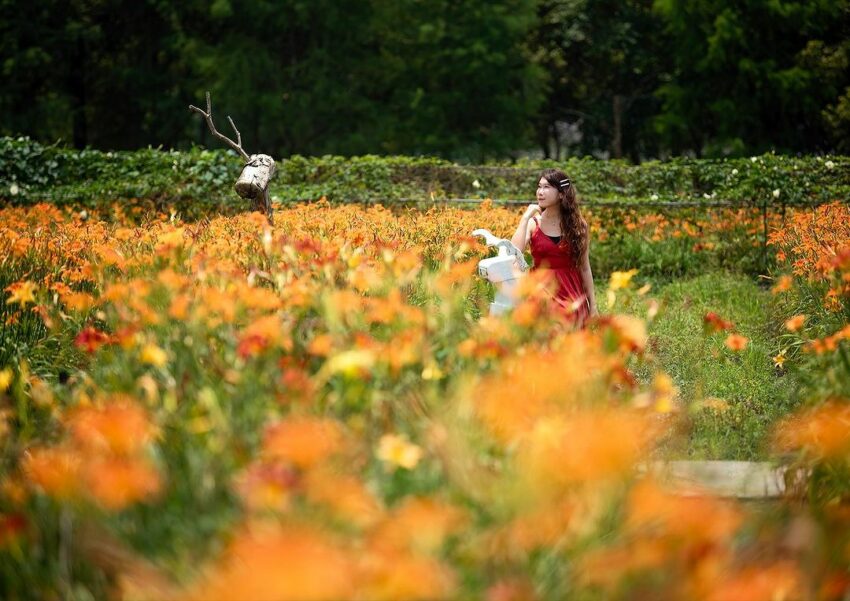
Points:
x=203, y=179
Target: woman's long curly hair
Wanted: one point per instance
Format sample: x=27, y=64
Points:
x=572, y=224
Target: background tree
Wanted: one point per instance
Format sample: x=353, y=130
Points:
x=463, y=79
x=752, y=75
x=604, y=60
x=458, y=78
x=104, y=73
x=298, y=76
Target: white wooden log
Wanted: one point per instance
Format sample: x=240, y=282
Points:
x=255, y=176
x=253, y=182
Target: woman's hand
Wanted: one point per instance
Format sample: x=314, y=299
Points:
x=520, y=237
x=531, y=210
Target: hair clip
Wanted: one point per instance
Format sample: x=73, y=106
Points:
x=565, y=183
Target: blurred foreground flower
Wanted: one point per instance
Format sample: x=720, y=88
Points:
x=304, y=441
x=822, y=432
x=151, y=354
x=621, y=279
x=618, y=281
x=736, y=342
x=90, y=339
x=630, y=331
x=398, y=452
x=292, y=562
x=21, y=293
x=418, y=524
x=588, y=446
x=769, y=582
x=55, y=471
x=116, y=482
x=712, y=322
x=783, y=284
x=265, y=487
x=12, y=527
x=795, y=323
x=356, y=363
x=6, y=378
x=121, y=427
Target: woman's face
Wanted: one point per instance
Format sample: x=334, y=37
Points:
x=547, y=194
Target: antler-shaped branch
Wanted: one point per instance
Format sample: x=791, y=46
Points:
x=237, y=146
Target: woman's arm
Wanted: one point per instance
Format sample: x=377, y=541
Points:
x=587, y=276
x=521, y=235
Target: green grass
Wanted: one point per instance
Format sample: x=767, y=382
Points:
x=701, y=366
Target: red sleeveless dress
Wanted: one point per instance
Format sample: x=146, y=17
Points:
x=570, y=297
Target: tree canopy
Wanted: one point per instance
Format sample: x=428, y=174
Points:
x=463, y=79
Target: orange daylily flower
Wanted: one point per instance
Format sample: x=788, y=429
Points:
x=736, y=342
x=345, y=496
x=679, y=518
x=781, y=580
x=783, y=284
x=90, y=339
x=418, y=524
x=117, y=482
x=712, y=322
x=121, y=427
x=584, y=447
x=795, y=323
x=304, y=441
x=21, y=293
x=293, y=562
x=823, y=431
x=267, y=486
x=55, y=470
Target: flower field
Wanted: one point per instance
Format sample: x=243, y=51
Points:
x=322, y=409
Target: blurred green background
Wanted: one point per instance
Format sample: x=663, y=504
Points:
x=465, y=80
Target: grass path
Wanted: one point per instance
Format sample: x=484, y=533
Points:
x=702, y=367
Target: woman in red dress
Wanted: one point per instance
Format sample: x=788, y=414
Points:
x=560, y=243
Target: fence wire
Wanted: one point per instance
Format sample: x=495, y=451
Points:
x=729, y=204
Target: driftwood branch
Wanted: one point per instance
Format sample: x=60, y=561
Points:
x=238, y=135
x=253, y=182
x=237, y=146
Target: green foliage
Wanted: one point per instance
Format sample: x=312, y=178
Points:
x=604, y=61
x=23, y=334
x=99, y=73
x=822, y=376
x=465, y=80
x=32, y=172
x=822, y=373
x=838, y=117
x=752, y=76
x=702, y=367
x=314, y=77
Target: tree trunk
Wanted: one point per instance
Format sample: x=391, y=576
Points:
x=78, y=97
x=617, y=141
x=543, y=139
x=557, y=141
